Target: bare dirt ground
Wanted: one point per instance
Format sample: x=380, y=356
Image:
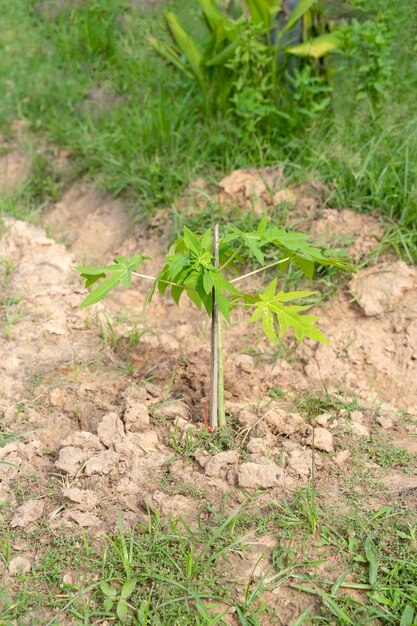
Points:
x=108, y=395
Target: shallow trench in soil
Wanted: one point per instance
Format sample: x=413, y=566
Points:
x=107, y=395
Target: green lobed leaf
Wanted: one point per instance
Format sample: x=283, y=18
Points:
x=120, y=272
x=268, y=326
x=192, y=241
x=207, y=281
x=269, y=304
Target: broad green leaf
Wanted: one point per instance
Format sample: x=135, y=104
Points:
x=372, y=559
x=176, y=265
x=207, y=241
x=128, y=588
x=169, y=53
x=303, y=325
x=317, y=47
x=293, y=295
x=407, y=616
x=268, y=326
x=176, y=292
x=195, y=298
x=253, y=240
x=224, y=305
x=262, y=226
x=107, y=589
x=120, y=272
x=122, y=610
x=220, y=282
x=269, y=293
x=288, y=316
x=257, y=312
x=223, y=56
x=260, y=12
x=90, y=280
x=302, y=7
x=207, y=281
x=108, y=604
x=193, y=55
x=86, y=270
x=212, y=13
x=192, y=241
x=101, y=291
x=305, y=265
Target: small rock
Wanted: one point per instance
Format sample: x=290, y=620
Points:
x=323, y=440
x=85, y=520
x=58, y=397
x=7, y=449
x=148, y=441
x=357, y=417
x=110, y=429
x=385, y=421
x=70, y=460
x=19, y=565
x=202, y=457
x=359, y=430
x=300, y=462
x=218, y=461
x=27, y=513
x=127, y=448
x=67, y=579
x=175, y=410
x=283, y=423
x=324, y=419
x=83, y=439
x=254, y=475
x=258, y=445
x=136, y=417
x=247, y=418
x=84, y=498
x=103, y=463
x=245, y=362
x=341, y=458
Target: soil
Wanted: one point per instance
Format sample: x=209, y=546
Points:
x=103, y=394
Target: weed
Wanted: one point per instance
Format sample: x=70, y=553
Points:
x=386, y=454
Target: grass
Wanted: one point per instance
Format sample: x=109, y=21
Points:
x=138, y=127
x=86, y=80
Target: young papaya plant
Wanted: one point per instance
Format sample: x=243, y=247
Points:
x=207, y=269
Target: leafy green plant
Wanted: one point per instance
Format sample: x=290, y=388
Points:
x=207, y=269
x=240, y=63
x=366, y=55
x=118, y=598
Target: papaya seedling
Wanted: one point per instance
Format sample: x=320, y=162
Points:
x=207, y=269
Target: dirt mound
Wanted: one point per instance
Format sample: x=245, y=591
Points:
x=14, y=168
x=112, y=413
x=93, y=224
x=373, y=333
